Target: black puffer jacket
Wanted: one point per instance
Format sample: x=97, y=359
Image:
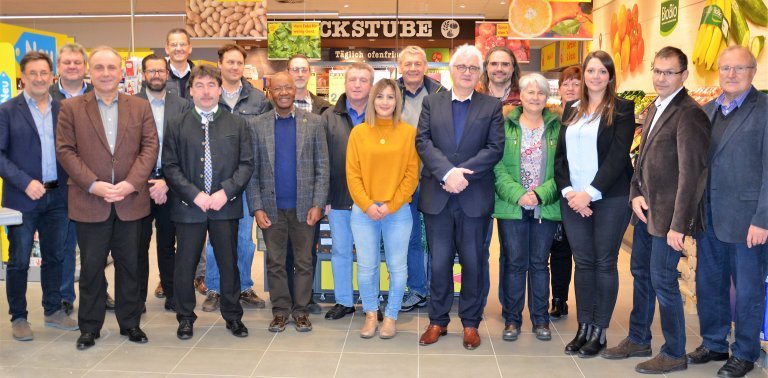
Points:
x=338, y=127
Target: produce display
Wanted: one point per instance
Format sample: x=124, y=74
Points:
x=628, y=45
x=724, y=20
x=226, y=19
x=704, y=95
x=489, y=35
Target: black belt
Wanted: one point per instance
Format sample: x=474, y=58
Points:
x=51, y=184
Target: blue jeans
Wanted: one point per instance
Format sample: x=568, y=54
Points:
x=368, y=233
x=654, y=267
x=525, y=246
x=417, y=274
x=341, y=256
x=718, y=263
x=68, y=264
x=245, y=250
x=49, y=218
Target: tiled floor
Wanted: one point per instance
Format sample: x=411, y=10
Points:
x=332, y=349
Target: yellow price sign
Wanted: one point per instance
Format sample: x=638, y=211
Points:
x=305, y=29
x=502, y=29
x=335, y=85
x=312, y=82
x=548, y=58
x=273, y=27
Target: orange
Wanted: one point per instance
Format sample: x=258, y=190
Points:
x=622, y=21
x=530, y=18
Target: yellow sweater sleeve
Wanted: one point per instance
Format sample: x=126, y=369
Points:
x=354, y=170
x=410, y=179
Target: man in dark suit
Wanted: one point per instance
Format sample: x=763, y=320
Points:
x=732, y=247
x=71, y=63
x=165, y=105
x=460, y=139
x=31, y=178
x=286, y=195
x=207, y=162
x=107, y=143
x=665, y=193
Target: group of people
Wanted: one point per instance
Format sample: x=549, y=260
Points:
x=202, y=154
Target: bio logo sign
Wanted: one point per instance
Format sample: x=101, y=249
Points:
x=668, y=19
x=34, y=42
x=5, y=87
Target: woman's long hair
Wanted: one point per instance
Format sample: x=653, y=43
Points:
x=370, y=113
x=608, y=103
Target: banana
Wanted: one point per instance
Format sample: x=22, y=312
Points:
x=702, y=36
x=714, y=42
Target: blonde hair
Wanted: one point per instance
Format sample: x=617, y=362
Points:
x=370, y=113
x=412, y=50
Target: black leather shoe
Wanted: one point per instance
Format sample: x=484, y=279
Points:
x=703, y=355
x=578, y=341
x=237, y=328
x=339, y=311
x=135, y=335
x=735, y=367
x=184, y=332
x=86, y=340
x=169, y=305
x=595, y=343
x=559, y=308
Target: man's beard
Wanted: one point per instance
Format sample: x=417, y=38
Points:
x=156, y=87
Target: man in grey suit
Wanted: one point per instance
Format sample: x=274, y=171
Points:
x=165, y=105
x=286, y=195
x=732, y=247
x=207, y=162
x=665, y=193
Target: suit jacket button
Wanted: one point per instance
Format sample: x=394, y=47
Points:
x=202, y=159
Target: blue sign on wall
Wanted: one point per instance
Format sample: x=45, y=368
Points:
x=35, y=42
x=6, y=87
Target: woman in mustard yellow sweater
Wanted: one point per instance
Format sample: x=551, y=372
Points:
x=382, y=174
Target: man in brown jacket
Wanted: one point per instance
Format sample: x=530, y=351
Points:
x=666, y=193
x=107, y=143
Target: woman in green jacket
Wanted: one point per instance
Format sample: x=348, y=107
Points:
x=527, y=207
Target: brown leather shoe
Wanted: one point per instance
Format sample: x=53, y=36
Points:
x=159, y=293
x=432, y=333
x=200, y=285
x=661, y=364
x=278, y=323
x=302, y=323
x=471, y=338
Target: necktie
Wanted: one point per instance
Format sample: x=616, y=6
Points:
x=207, y=165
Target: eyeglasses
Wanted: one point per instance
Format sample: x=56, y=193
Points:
x=285, y=88
x=299, y=69
x=463, y=68
x=738, y=69
x=665, y=74
x=155, y=72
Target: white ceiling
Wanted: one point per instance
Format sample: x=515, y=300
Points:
x=491, y=9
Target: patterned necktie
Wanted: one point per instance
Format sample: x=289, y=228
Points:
x=207, y=165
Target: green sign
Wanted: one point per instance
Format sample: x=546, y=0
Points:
x=668, y=19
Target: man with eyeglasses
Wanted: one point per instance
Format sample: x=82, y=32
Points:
x=732, y=247
x=178, y=47
x=286, y=196
x=298, y=68
x=666, y=198
x=415, y=85
x=460, y=139
x=165, y=105
x=242, y=100
x=70, y=64
x=35, y=184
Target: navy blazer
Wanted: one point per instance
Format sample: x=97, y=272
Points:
x=738, y=185
x=480, y=148
x=21, y=153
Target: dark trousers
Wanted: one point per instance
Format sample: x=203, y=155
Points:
x=96, y=241
x=49, y=218
x=68, y=264
x=448, y=232
x=191, y=240
x=165, y=240
x=287, y=227
x=654, y=269
x=720, y=263
x=289, y=264
x=525, y=245
x=595, y=242
x=560, y=264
